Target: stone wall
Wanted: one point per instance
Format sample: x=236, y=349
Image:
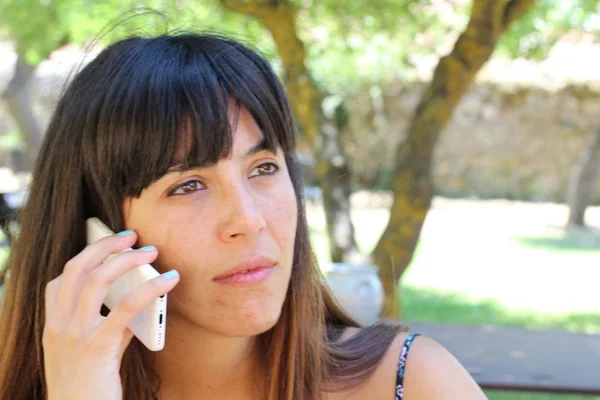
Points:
x=520, y=143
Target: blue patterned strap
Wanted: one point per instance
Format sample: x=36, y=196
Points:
x=402, y=365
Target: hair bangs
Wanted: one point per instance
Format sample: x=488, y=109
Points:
x=174, y=101
x=232, y=78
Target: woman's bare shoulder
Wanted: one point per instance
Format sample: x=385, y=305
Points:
x=431, y=372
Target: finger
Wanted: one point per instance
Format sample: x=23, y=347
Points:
x=76, y=269
x=99, y=280
x=134, y=302
x=127, y=336
x=50, y=295
x=52, y=325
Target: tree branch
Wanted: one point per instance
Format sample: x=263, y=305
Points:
x=254, y=8
x=514, y=10
x=246, y=8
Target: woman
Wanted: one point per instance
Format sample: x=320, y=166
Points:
x=185, y=143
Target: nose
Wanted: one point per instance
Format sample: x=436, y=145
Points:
x=241, y=214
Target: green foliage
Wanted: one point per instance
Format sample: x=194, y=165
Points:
x=535, y=33
x=209, y=15
x=351, y=43
x=31, y=23
x=10, y=140
x=38, y=27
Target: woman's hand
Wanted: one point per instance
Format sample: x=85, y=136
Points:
x=82, y=349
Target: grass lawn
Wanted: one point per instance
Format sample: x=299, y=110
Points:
x=496, y=263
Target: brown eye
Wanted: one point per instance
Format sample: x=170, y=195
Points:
x=265, y=169
x=188, y=187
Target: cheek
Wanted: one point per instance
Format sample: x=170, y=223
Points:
x=186, y=240
x=283, y=220
x=178, y=237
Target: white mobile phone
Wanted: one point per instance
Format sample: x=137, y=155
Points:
x=149, y=325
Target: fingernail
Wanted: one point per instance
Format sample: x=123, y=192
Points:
x=172, y=274
x=147, y=248
x=125, y=233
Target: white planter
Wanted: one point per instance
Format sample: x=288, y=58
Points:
x=358, y=289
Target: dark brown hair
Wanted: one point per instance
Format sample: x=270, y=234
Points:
x=116, y=129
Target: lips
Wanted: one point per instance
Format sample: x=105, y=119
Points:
x=247, y=266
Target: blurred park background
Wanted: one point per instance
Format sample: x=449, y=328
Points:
x=455, y=144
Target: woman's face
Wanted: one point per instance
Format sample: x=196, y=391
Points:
x=210, y=223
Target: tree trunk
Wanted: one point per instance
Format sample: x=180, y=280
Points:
x=334, y=179
x=20, y=106
x=584, y=180
x=332, y=171
x=412, y=185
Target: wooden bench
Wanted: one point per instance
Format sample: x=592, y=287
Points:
x=505, y=358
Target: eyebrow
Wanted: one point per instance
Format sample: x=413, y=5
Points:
x=257, y=148
x=262, y=145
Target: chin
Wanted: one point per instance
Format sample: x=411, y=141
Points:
x=248, y=321
x=253, y=325
x=251, y=330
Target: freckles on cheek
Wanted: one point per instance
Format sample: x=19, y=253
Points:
x=222, y=302
x=284, y=206
x=223, y=307
x=181, y=245
x=181, y=231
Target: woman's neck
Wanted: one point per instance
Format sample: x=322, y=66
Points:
x=197, y=364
